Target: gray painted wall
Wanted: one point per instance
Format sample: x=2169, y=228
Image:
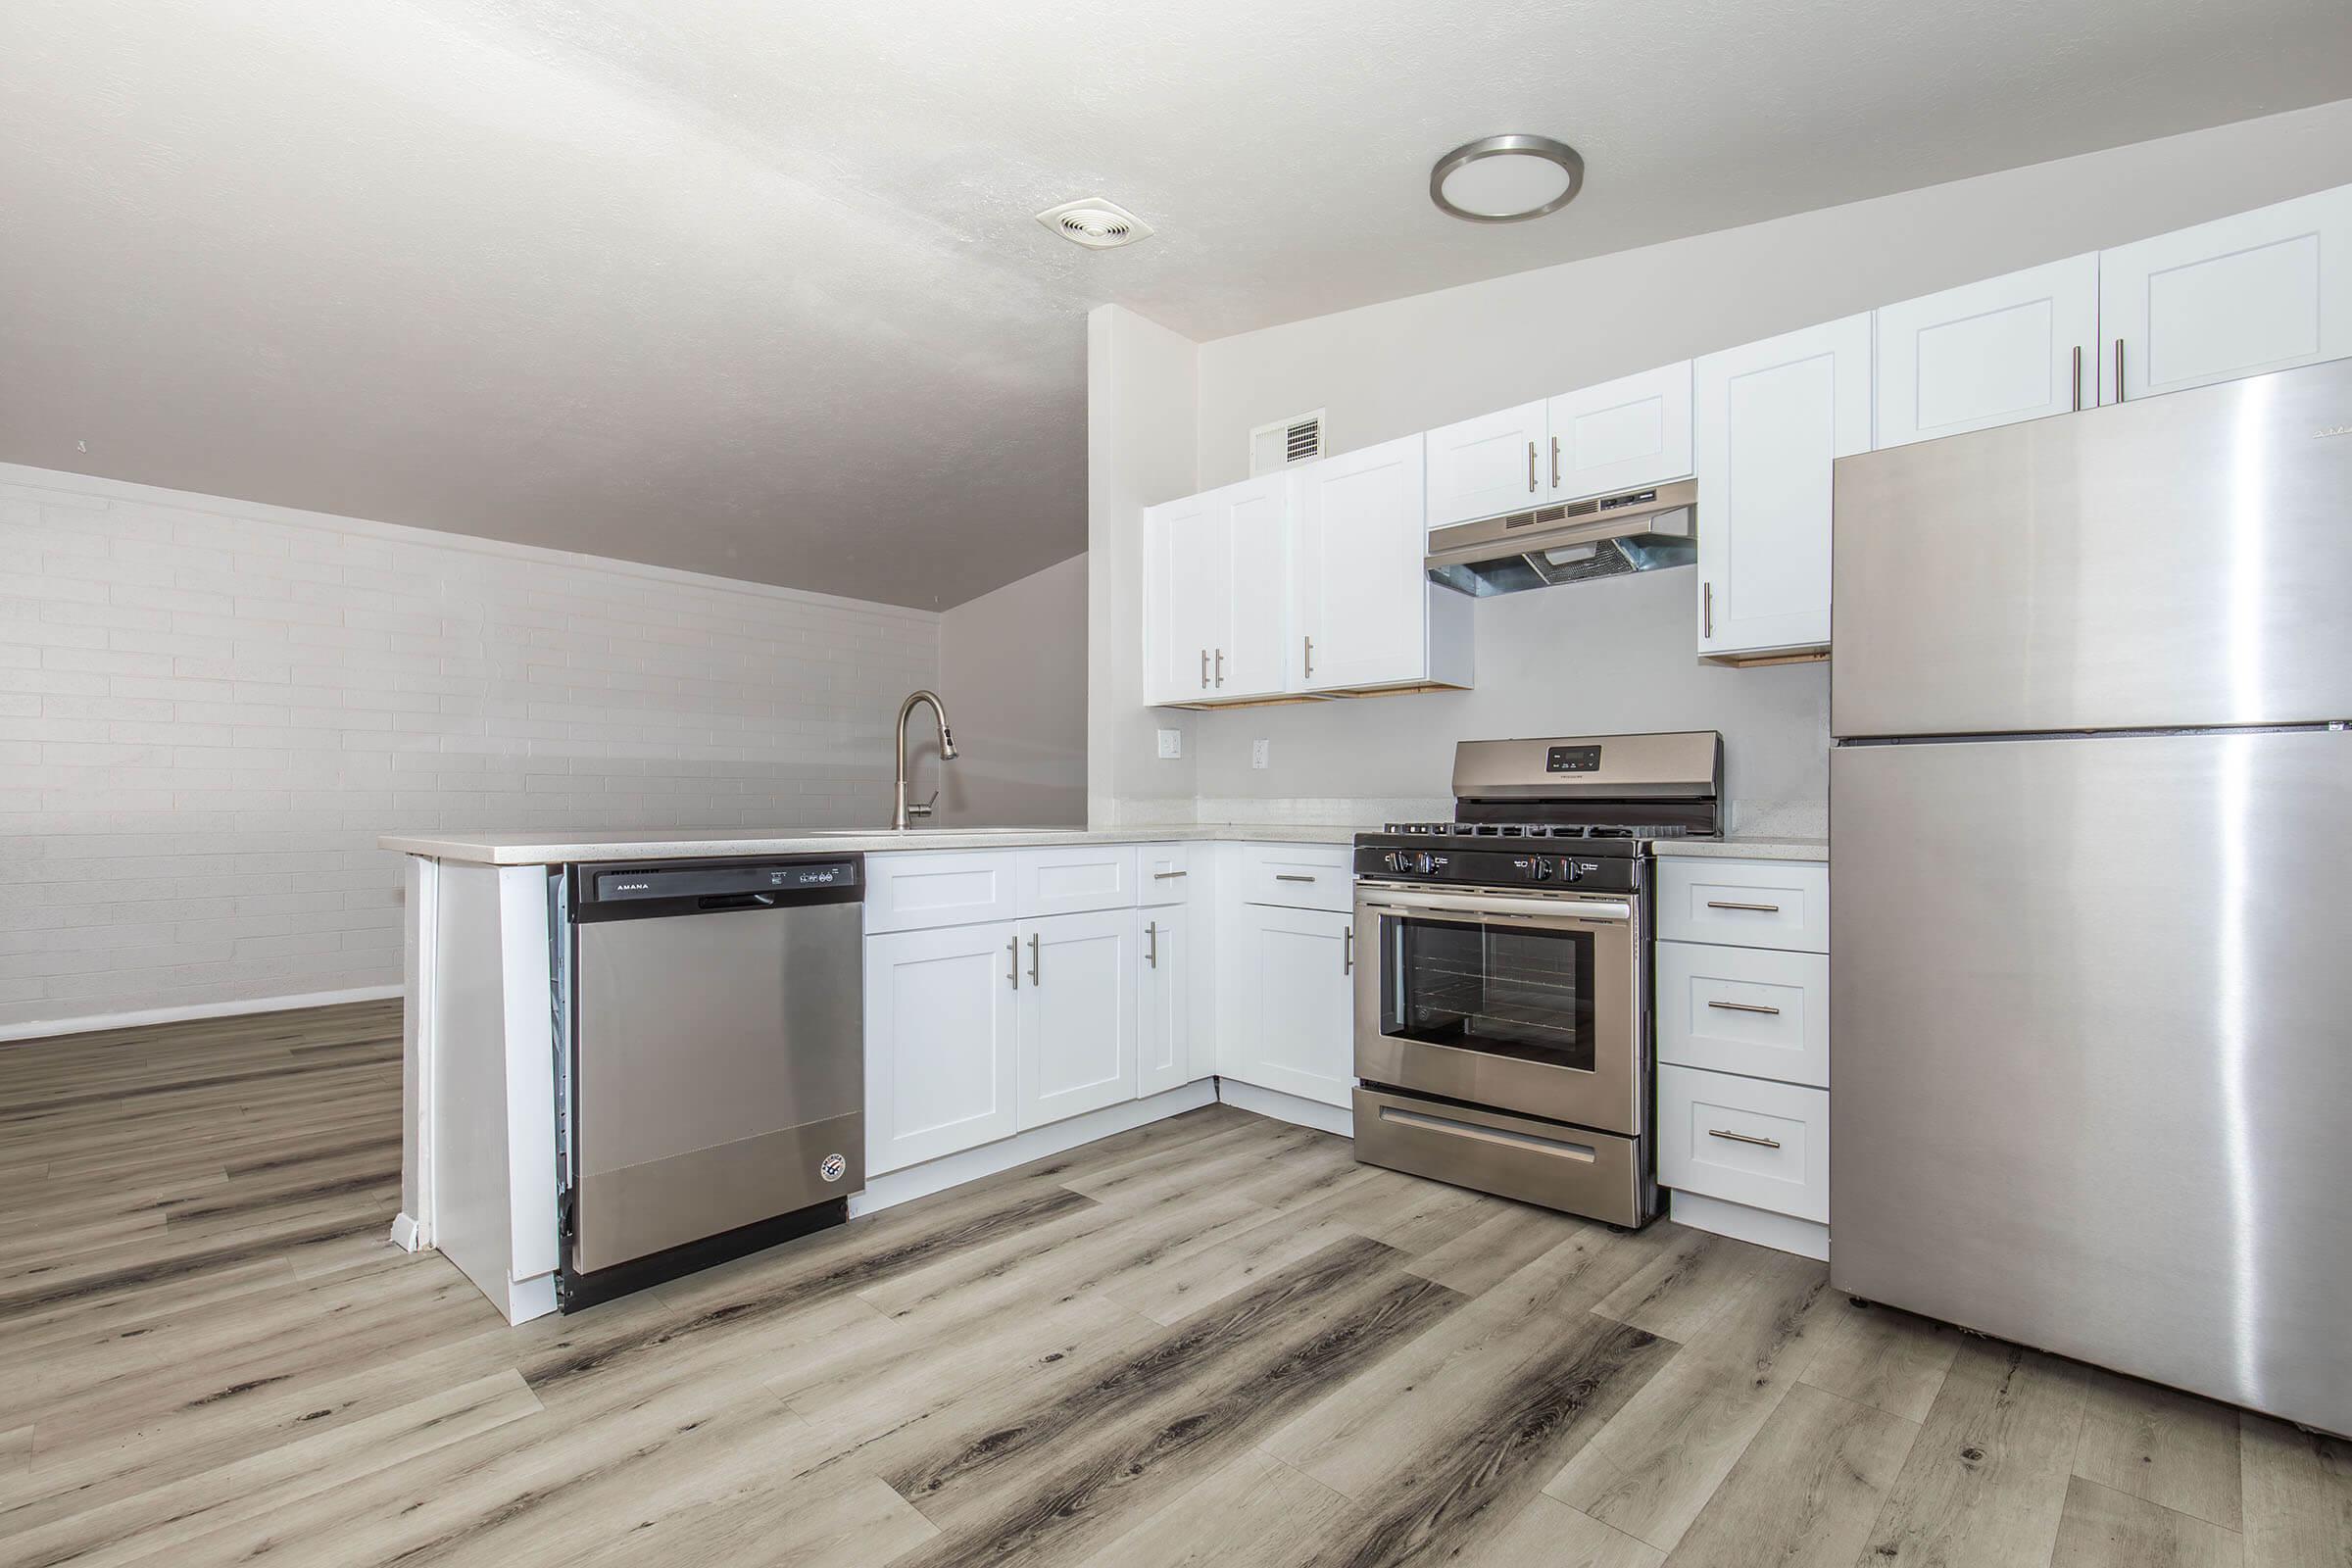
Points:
x=1012, y=673
x=1611, y=656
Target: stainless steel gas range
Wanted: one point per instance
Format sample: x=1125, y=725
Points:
x=1502, y=1032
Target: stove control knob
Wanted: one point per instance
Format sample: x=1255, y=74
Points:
x=1543, y=870
x=1570, y=872
x=1427, y=864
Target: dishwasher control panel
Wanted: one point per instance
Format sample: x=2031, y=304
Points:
x=693, y=881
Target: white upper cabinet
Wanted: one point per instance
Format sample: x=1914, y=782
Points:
x=1771, y=418
x=2011, y=348
x=1488, y=465
x=1363, y=613
x=1620, y=436
x=2265, y=290
x=1212, y=592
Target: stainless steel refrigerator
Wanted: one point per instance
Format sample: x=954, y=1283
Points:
x=2092, y=887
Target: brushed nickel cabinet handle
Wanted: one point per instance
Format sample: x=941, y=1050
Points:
x=1531, y=467
x=1291, y=876
x=1162, y=877
x=2118, y=370
x=1205, y=669
x=1307, y=646
x=1760, y=908
x=2078, y=378
x=1745, y=1007
x=1034, y=958
x=1743, y=1138
x=1347, y=951
x=1013, y=947
x=1220, y=666
x=1556, y=463
x=1151, y=936
x=1706, y=610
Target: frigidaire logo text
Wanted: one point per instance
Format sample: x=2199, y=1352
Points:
x=2334, y=429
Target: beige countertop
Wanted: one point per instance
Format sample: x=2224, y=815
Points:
x=1739, y=847
x=560, y=845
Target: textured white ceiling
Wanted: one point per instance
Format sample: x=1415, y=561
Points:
x=752, y=287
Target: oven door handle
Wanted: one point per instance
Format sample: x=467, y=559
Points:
x=1545, y=911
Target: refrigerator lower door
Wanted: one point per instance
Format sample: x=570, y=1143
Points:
x=2092, y=1033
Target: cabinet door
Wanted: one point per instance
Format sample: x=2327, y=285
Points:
x=940, y=1027
x=1164, y=999
x=2266, y=291
x=1359, y=599
x=1486, y=465
x=1077, y=1014
x=1301, y=983
x=1187, y=566
x=1621, y=434
x=2011, y=348
x=1771, y=418
x=1251, y=638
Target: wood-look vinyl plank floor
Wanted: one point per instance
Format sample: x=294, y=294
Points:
x=1212, y=1340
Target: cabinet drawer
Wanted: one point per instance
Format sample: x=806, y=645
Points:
x=1075, y=878
x=1752, y=1010
x=1300, y=877
x=1744, y=1141
x=1745, y=903
x=937, y=888
x=1166, y=874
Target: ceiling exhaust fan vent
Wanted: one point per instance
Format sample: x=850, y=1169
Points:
x=1096, y=223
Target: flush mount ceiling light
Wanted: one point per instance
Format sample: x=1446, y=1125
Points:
x=1096, y=223
x=1506, y=180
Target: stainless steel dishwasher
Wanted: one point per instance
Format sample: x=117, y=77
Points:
x=714, y=1101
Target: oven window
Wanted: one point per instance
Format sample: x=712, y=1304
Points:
x=1509, y=993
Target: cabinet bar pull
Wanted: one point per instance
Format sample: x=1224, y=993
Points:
x=1220, y=666
x=1745, y=1137
x=1152, y=935
x=1013, y=947
x=1556, y=463
x=1162, y=877
x=1205, y=669
x=1531, y=467
x=1745, y=1007
x=1347, y=951
x=1760, y=909
x=1291, y=876
x=2078, y=378
x=2118, y=370
x=1310, y=646
x=1033, y=959
x=1706, y=610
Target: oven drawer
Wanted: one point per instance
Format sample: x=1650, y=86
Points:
x=1744, y=1141
x=1300, y=877
x=1566, y=1169
x=1744, y=904
x=1749, y=1010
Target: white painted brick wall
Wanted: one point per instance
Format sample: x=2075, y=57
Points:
x=209, y=708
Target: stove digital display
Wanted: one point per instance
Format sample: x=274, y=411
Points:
x=1572, y=760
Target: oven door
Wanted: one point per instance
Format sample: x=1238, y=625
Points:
x=1527, y=1002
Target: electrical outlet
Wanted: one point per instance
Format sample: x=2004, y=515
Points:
x=1260, y=751
x=1171, y=744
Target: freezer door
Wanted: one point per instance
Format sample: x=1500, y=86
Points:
x=2177, y=562
x=2092, y=1061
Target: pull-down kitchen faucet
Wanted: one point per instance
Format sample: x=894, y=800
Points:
x=947, y=753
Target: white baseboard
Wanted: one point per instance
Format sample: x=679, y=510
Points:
x=1781, y=1232
x=43, y=1027
x=1287, y=1108
x=403, y=1233
x=970, y=1164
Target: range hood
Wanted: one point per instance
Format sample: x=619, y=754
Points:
x=1638, y=530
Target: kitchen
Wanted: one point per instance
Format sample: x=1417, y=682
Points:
x=1188, y=1087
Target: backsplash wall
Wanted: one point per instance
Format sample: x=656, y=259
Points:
x=209, y=708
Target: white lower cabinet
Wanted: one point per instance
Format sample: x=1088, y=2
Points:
x=1297, y=1003
x=941, y=1022
x=1077, y=1005
x=1164, y=999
